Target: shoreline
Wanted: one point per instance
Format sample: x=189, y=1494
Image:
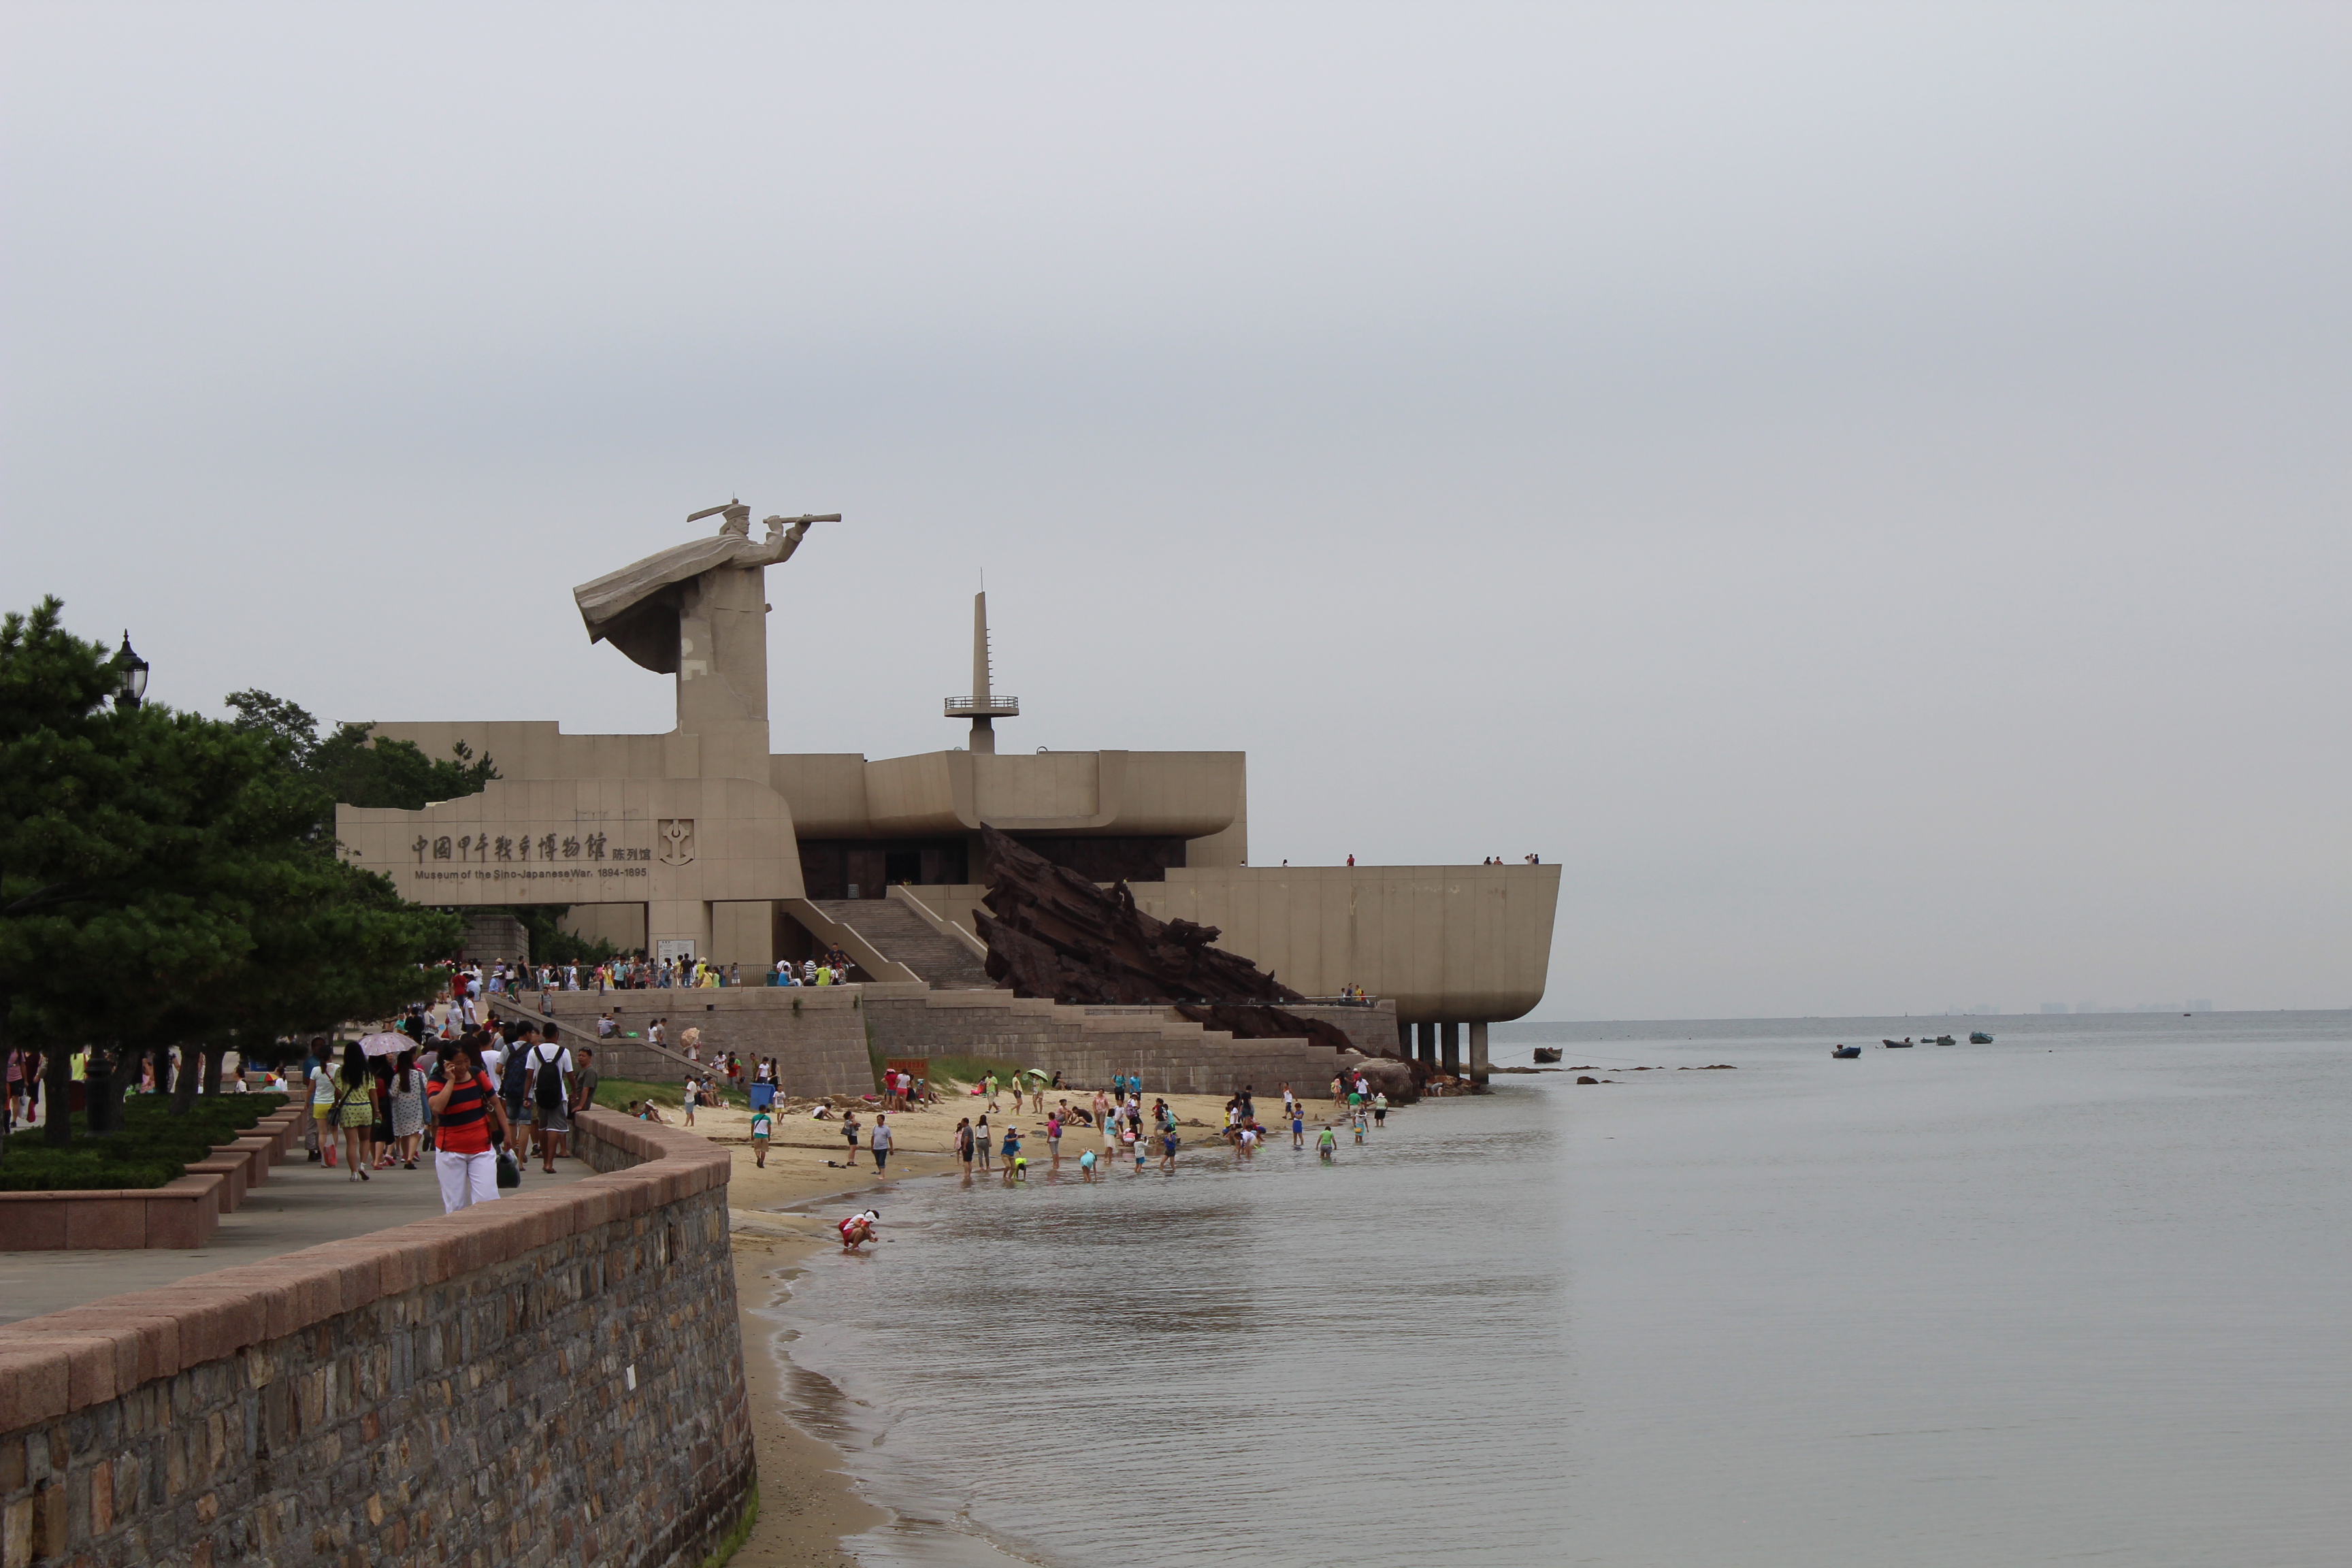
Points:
x=810, y=1504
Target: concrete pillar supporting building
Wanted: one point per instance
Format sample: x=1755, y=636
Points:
x=1424, y=1045
x=1453, y=1047
x=1479, y=1069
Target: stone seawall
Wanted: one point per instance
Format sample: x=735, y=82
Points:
x=820, y=1036
x=817, y=1034
x=554, y=1378
x=1170, y=1057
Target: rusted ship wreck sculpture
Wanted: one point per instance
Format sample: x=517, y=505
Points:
x=1052, y=933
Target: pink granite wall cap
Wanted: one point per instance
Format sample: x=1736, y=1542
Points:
x=158, y=1334
x=36, y=1383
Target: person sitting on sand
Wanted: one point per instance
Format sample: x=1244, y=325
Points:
x=859, y=1229
x=647, y=1112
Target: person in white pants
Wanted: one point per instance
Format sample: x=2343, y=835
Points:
x=465, y=1112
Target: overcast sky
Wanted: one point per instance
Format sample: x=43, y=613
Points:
x=1864, y=489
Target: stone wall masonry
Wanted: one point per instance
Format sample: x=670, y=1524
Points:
x=816, y=1033
x=1170, y=1057
x=549, y=1379
x=1371, y=1029
x=820, y=1035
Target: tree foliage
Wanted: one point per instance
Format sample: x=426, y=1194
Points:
x=161, y=878
x=353, y=770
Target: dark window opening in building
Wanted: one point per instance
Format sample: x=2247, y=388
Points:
x=866, y=867
x=1137, y=860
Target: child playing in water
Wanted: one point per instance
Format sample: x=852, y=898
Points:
x=859, y=1229
x=1327, y=1145
x=1360, y=1126
x=1381, y=1109
x=1087, y=1166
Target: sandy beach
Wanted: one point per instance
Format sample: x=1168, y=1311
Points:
x=807, y=1502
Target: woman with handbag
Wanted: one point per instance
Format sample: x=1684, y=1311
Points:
x=466, y=1116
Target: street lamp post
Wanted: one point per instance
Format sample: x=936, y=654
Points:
x=134, y=677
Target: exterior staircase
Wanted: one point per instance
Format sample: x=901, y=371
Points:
x=903, y=936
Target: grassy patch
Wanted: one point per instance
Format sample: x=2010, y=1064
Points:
x=737, y=1534
x=620, y=1093
x=153, y=1146
x=971, y=1069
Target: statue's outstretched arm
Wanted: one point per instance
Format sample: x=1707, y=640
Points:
x=784, y=535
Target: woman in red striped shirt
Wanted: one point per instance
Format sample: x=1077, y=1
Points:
x=465, y=1113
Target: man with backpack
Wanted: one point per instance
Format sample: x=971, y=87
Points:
x=547, y=1072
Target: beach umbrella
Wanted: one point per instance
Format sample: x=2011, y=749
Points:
x=387, y=1044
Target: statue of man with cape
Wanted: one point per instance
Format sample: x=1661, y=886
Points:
x=638, y=608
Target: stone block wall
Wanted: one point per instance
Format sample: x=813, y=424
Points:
x=817, y=1034
x=1171, y=1057
x=548, y=1379
x=820, y=1036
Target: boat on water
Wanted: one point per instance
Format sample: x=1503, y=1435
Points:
x=1845, y=1051
x=1897, y=1045
x=1943, y=1039
x=1546, y=1054
x=1979, y=1037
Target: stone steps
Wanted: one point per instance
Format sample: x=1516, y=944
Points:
x=902, y=936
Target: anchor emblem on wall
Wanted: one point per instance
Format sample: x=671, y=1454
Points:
x=676, y=834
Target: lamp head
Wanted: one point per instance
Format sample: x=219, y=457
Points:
x=134, y=689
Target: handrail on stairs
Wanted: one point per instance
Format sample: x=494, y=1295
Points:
x=861, y=952
x=941, y=925
x=588, y=1038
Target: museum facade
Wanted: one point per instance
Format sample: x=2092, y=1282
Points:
x=703, y=841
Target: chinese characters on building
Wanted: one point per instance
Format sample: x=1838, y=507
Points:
x=482, y=849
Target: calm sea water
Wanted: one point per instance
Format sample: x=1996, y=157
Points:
x=2084, y=1294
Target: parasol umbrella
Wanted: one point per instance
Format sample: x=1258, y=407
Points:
x=387, y=1044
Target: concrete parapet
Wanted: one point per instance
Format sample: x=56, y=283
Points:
x=443, y=1391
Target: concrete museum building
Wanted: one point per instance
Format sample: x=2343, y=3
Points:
x=707, y=842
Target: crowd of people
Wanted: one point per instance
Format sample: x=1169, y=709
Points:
x=636, y=972
x=470, y=1100
x=1134, y=1136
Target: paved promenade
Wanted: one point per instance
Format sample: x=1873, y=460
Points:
x=300, y=1205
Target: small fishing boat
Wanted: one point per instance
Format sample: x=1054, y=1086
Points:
x=1845, y=1051
x=1546, y=1054
x=1944, y=1039
x=1979, y=1037
x=1897, y=1045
